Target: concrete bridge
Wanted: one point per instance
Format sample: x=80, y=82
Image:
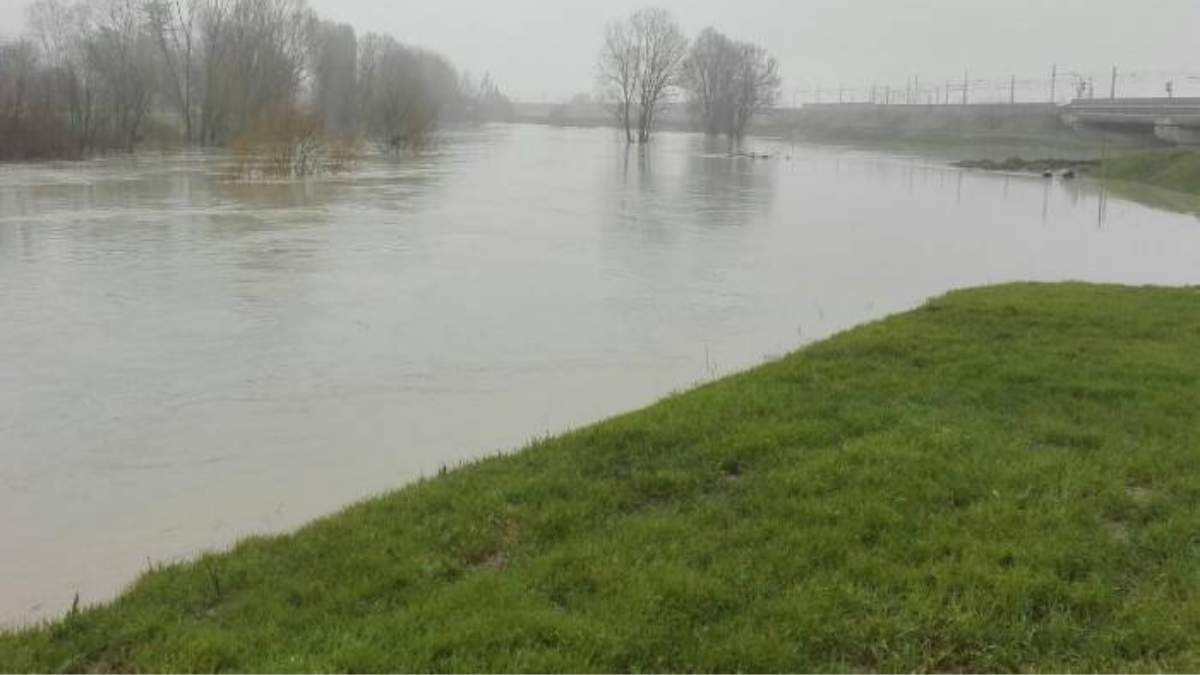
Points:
x=1176, y=120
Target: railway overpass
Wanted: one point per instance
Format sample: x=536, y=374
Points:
x=1175, y=120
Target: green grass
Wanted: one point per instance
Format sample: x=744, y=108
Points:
x=1166, y=179
x=1177, y=170
x=1006, y=479
x=1019, y=165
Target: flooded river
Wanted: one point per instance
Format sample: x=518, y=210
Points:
x=186, y=360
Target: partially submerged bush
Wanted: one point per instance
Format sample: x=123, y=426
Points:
x=291, y=144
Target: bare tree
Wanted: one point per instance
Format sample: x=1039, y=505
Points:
x=19, y=77
x=31, y=122
x=619, y=73
x=173, y=25
x=729, y=82
x=99, y=68
x=120, y=52
x=268, y=44
x=639, y=68
x=396, y=106
x=663, y=48
x=757, y=86
x=58, y=29
x=254, y=62
x=213, y=60
x=709, y=74
x=334, y=68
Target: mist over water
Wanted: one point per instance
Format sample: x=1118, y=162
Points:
x=189, y=359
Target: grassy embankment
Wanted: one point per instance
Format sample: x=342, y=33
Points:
x=1167, y=179
x=1177, y=170
x=1163, y=178
x=1005, y=479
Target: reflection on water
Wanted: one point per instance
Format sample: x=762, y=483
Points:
x=186, y=359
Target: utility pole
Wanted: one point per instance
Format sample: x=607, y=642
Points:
x=966, y=84
x=947, y=90
x=1113, y=93
x=1012, y=90
x=1054, y=83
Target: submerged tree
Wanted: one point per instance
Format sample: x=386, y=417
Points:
x=59, y=31
x=334, y=76
x=33, y=119
x=122, y=54
x=639, y=68
x=619, y=70
x=709, y=74
x=397, y=104
x=173, y=27
x=728, y=82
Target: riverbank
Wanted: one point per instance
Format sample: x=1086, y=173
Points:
x=1042, y=166
x=1005, y=479
x=961, y=132
x=1168, y=179
x=1177, y=170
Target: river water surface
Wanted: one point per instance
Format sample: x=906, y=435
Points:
x=186, y=360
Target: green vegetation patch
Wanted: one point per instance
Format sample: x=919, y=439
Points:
x=1167, y=179
x=1174, y=170
x=1177, y=170
x=1006, y=479
x=1018, y=165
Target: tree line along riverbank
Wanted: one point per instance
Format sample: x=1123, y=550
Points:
x=1004, y=479
x=262, y=77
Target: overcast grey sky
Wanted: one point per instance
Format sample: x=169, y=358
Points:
x=546, y=49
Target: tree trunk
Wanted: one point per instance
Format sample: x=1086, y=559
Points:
x=628, y=124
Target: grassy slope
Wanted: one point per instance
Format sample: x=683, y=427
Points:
x=1005, y=479
x=1168, y=179
x=1177, y=170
